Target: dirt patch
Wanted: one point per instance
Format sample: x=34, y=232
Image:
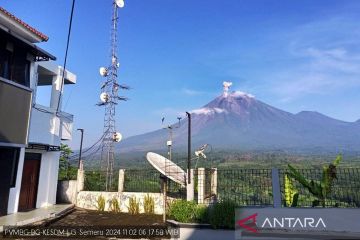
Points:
x=84, y=217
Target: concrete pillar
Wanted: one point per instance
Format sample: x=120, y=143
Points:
x=214, y=181
x=121, y=180
x=201, y=185
x=190, y=187
x=55, y=90
x=80, y=180
x=276, y=187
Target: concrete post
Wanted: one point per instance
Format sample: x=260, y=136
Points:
x=80, y=180
x=121, y=180
x=276, y=187
x=56, y=91
x=214, y=181
x=201, y=185
x=190, y=186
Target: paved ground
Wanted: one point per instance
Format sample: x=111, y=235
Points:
x=24, y=218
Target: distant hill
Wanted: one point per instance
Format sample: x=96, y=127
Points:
x=238, y=121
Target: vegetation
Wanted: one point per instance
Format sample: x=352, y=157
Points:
x=319, y=189
x=115, y=205
x=134, y=206
x=149, y=204
x=66, y=171
x=291, y=194
x=182, y=210
x=222, y=215
x=100, y=201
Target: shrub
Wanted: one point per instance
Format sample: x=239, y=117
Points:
x=182, y=210
x=222, y=215
x=115, y=205
x=134, y=206
x=149, y=204
x=100, y=203
x=201, y=214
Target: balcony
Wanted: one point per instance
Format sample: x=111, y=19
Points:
x=48, y=128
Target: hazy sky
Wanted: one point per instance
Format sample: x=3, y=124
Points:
x=294, y=55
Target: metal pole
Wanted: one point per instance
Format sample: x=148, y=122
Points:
x=81, y=143
x=189, y=147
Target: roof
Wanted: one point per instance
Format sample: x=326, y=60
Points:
x=42, y=36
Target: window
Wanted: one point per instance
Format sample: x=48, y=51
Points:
x=14, y=65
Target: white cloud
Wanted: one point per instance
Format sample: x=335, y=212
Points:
x=208, y=111
x=242, y=94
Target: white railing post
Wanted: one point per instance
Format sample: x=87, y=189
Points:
x=121, y=180
x=201, y=185
x=190, y=186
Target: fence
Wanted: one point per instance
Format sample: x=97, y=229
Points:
x=345, y=190
x=245, y=187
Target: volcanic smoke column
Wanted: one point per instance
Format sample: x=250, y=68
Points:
x=226, y=85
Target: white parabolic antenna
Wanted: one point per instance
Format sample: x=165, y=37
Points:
x=117, y=137
x=104, y=97
x=167, y=167
x=103, y=72
x=120, y=3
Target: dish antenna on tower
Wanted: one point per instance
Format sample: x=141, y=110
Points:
x=103, y=71
x=104, y=97
x=120, y=3
x=117, y=137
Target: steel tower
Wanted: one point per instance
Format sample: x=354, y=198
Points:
x=109, y=99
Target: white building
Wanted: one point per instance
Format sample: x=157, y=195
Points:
x=30, y=134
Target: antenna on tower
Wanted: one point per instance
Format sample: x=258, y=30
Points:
x=109, y=98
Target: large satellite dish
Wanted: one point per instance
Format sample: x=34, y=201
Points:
x=167, y=167
x=120, y=3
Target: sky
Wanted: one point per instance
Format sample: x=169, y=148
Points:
x=293, y=55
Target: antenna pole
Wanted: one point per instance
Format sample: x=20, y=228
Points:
x=189, y=148
x=81, y=144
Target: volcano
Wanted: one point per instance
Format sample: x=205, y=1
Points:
x=238, y=121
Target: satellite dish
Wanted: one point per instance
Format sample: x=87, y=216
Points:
x=120, y=3
x=167, y=168
x=118, y=65
x=104, y=97
x=117, y=137
x=103, y=71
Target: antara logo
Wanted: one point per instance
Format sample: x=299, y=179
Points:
x=285, y=222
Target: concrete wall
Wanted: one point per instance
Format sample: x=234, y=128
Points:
x=88, y=200
x=66, y=191
x=48, y=179
x=14, y=194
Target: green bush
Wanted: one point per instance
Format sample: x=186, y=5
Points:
x=222, y=215
x=149, y=204
x=134, y=206
x=201, y=214
x=182, y=211
x=100, y=201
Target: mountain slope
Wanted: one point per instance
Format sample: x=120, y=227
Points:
x=238, y=121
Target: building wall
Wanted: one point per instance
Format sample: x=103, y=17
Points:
x=48, y=179
x=14, y=194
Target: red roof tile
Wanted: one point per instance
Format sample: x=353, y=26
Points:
x=27, y=26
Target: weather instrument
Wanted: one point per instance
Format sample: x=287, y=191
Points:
x=167, y=167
